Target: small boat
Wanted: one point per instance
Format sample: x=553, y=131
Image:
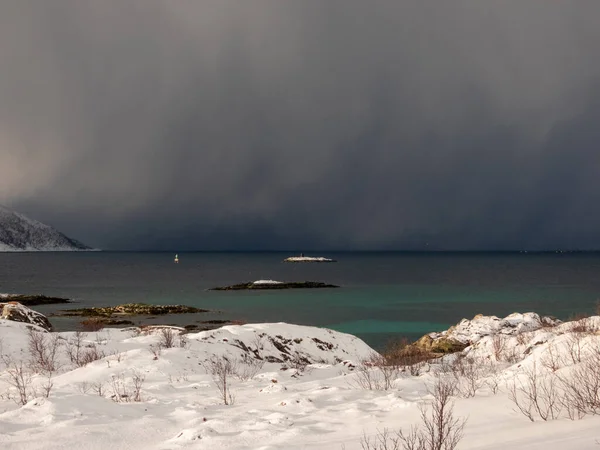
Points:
x=176, y=259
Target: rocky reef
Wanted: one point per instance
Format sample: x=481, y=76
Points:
x=33, y=300
x=129, y=309
x=270, y=284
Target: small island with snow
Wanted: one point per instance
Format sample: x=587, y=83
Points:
x=272, y=284
x=302, y=259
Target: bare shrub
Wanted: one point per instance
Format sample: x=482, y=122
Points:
x=575, y=345
x=512, y=355
x=439, y=428
x=581, y=323
x=119, y=389
x=183, y=341
x=179, y=377
x=582, y=388
x=84, y=387
x=552, y=359
x=137, y=379
x=522, y=338
x=101, y=338
x=19, y=377
x=74, y=347
x=221, y=370
x=125, y=391
x=156, y=350
x=98, y=388
x=3, y=357
x=406, y=356
x=248, y=367
x=498, y=346
x=537, y=394
x=469, y=373
x=90, y=354
x=493, y=378
x=47, y=385
x=43, y=350
x=375, y=374
x=383, y=440
x=167, y=338
x=92, y=325
x=117, y=356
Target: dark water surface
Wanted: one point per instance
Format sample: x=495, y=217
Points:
x=382, y=294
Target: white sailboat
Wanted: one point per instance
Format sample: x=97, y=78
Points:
x=176, y=259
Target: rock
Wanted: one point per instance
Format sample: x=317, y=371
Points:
x=276, y=285
x=19, y=313
x=439, y=345
x=304, y=259
x=130, y=309
x=468, y=332
x=31, y=300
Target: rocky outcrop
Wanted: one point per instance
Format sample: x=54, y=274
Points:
x=32, y=300
x=19, y=313
x=276, y=285
x=468, y=332
x=308, y=259
x=439, y=345
x=291, y=345
x=130, y=309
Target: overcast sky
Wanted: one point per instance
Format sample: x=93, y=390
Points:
x=203, y=125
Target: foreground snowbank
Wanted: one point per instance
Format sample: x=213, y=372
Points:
x=296, y=387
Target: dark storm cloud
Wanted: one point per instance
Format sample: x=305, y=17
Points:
x=288, y=124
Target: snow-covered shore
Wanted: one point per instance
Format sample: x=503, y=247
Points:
x=294, y=387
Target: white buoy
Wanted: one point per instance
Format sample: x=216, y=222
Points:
x=176, y=259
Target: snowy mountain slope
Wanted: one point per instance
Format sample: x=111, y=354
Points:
x=20, y=233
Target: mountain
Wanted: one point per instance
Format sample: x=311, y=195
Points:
x=20, y=233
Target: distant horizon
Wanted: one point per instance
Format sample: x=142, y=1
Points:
x=313, y=252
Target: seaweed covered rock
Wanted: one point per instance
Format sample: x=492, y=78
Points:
x=131, y=309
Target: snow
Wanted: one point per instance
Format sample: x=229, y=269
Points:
x=267, y=282
x=317, y=408
x=471, y=331
x=308, y=259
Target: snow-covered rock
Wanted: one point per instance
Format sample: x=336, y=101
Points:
x=468, y=332
x=308, y=259
x=282, y=342
x=19, y=313
x=20, y=233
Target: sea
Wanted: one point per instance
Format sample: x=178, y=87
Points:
x=382, y=295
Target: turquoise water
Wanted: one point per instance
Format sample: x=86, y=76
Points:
x=383, y=295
